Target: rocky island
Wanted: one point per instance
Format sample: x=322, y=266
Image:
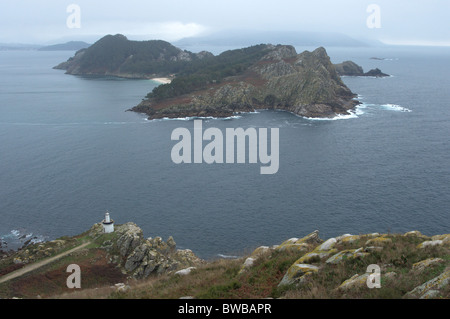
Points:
x=305, y=84
x=125, y=264
x=350, y=68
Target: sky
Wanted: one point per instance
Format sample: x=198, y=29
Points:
x=390, y=21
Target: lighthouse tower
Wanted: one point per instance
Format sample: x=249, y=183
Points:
x=108, y=224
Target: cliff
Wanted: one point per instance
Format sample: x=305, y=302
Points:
x=120, y=264
x=305, y=84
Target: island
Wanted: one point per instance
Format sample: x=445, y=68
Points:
x=201, y=84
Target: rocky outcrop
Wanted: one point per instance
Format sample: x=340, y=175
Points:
x=305, y=84
x=350, y=68
x=140, y=257
x=322, y=256
x=302, y=244
x=431, y=288
x=298, y=274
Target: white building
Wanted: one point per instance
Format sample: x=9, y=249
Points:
x=108, y=224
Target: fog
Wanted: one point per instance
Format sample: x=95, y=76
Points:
x=392, y=22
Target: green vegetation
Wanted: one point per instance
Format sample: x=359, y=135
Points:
x=117, y=53
x=200, y=73
x=404, y=267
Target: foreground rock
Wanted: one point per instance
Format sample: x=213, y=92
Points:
x=140, y=257
x=431, y=288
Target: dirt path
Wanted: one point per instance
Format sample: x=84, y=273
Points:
x=39, y=264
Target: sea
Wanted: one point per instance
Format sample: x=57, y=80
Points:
x=70, y=151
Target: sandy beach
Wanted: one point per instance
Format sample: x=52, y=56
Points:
x=162, y=80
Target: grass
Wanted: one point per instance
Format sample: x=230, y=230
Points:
x=223, y=278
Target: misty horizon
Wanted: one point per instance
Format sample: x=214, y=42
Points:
x=49, y=22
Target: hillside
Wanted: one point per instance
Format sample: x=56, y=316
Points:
x=272, y=77
x=118, y=56
x=125, y=265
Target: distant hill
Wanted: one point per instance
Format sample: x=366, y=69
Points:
x=18, y=47
x=68, y=46
x=248, y=38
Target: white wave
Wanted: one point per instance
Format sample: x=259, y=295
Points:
x=395, y=107
x=19, y=237
x=353, y=115
x=190, y=118
x=15, y=233
x=116, y=123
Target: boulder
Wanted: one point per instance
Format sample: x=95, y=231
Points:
x=256, y=254
x=355, y=282
x=426, y=264
x=186, y=271
x=431, y=243
x=346, y=254
x=298, y=274
x=302, y=244
x=321, y=251
x=438, y=283
x=416, y=233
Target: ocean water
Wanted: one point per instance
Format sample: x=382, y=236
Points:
x=69, y=152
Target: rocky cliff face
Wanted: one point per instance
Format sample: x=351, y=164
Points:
x=140, y=257
x=305, y=84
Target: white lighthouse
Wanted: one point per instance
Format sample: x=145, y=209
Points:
x=108, y=224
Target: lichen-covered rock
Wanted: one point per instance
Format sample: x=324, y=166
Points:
x=415, y=233
x=355, y=282
x=129, y=237
x=140, y=257
x=347, y=238
x=383, y=240
x=431, y=243
x=426, y=264
x=324, y=250
x=327, y=245
x=298, y=274
x=436, y=284
x=370, y=249
x=256, y=254
x=443, y=237
x=347, y=254
x=302, y=244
